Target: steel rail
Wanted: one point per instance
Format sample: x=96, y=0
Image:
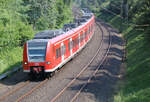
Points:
x=97, y=69
x=35, y=87
x=13, y=91
x=84, y=68
x=41, y=84
x=31, y=91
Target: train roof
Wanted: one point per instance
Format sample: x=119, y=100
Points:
x=71, y=31
x=48, y=34
x=44, y=36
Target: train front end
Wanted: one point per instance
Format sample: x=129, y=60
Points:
x=34, y=56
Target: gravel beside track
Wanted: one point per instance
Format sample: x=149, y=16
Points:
x=54, y=85
x=82, y=80
x=104, y=85
x=70, y=70
x=11, y=83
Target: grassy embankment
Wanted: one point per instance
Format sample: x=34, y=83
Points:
x=20, y=20
x=136, y=86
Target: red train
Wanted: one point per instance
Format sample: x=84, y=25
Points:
x=50, y=50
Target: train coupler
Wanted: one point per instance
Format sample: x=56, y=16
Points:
x=37, y=70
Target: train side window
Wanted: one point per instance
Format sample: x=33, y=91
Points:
x=77, y=40
x=84, y=36
x=57, y=53
x=81, y=38
x=86, y=33
x=73, y=43
x=89, y=28
x=64, y=49
x=69, y=46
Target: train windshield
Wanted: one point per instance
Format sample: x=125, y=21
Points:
x=37, y=51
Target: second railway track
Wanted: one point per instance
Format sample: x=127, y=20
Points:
x=37, y=85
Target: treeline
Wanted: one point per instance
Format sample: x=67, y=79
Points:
x=132, y=19
x=21, y=19
x=136, y=11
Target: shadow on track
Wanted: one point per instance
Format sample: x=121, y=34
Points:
x=105, y=84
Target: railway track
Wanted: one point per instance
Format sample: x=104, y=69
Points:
x=56, y=98
x=38, y=85
x=70, y=83
x=83, y=69
x=26, y=83
x=94, y=73
x=13, y=91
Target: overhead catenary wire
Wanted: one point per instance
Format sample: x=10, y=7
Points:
x=115, y=14
x=115, y=6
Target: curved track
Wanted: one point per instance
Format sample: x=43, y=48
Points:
x=69, y=84
x=94, y=73
x=72, y=81
x=59, y=96
x=13, y=91
x=37, y=85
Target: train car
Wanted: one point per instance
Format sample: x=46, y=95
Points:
x=51, y=49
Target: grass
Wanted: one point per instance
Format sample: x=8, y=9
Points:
x=10, y=58
x=136, y=86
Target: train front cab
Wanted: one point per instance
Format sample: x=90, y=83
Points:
x=37, y=57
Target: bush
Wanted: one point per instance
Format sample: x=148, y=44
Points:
x=20, y=20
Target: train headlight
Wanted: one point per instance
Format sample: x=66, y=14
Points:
x=48, y=63
x=25, y=63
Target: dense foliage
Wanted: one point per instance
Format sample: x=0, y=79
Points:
x=21, y=19
x=132, y=18
x=138, y=10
